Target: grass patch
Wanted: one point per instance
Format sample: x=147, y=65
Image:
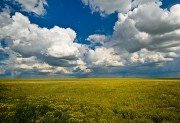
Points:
x=90, y=100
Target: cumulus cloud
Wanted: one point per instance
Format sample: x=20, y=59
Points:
x=150, y=18
x=145, y=39
x=17, y=66
x=97, y=38
x=105, y=7
x=135, y=41
x=144, y=35
x=102, y=56
x=35, y=6
x=54, y=48
x=139, y=29
x=108, y=7
x=136, y=3
x=30, y=40
x=3, y=57
x=144, y=56
x=4, y=18
x=32, y=64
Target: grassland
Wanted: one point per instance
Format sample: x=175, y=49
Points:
x=90, y=100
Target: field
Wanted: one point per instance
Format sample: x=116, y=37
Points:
x=90, y=100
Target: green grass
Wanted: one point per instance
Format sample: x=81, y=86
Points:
x=90, y=100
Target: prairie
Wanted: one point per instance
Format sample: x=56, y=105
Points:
x=102, y=100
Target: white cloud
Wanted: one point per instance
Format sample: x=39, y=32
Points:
x=4, y=18
x=132, y=45
x=30, y=40
x=102, y=56
x=108, y=7
x=136, y=3
x=32, y=64
x=162, y=21
x=97, y=38
x=3, y=58
x=2, y=70
x=35, y=6
x=18, y=66
x=139, y=29
x=145, y=38
x=144, y=56
x=54, y=49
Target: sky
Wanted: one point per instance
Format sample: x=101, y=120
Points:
x=89, y=38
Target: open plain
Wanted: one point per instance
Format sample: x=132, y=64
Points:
x=90, y=100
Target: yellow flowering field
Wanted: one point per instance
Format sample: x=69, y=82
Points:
x=90, y=100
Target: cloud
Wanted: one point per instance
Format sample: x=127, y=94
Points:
x=97, y=38
x=32, y=64
x=136, y=3
x=4, y=18
x=131, y=46
x=162, y=21
x=35, y=6
x=144, y=56
x=138, y=36
x=17, y=66
x=102, y=56
x=106, y=7
x=54, y=48
x=138, y=29
x=3, y=58
x=55, y=45
x=145, y=40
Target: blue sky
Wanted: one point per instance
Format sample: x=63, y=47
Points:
x=75, y=15
x=86, y=38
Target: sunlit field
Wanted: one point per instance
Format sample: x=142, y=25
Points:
x=90, y=100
